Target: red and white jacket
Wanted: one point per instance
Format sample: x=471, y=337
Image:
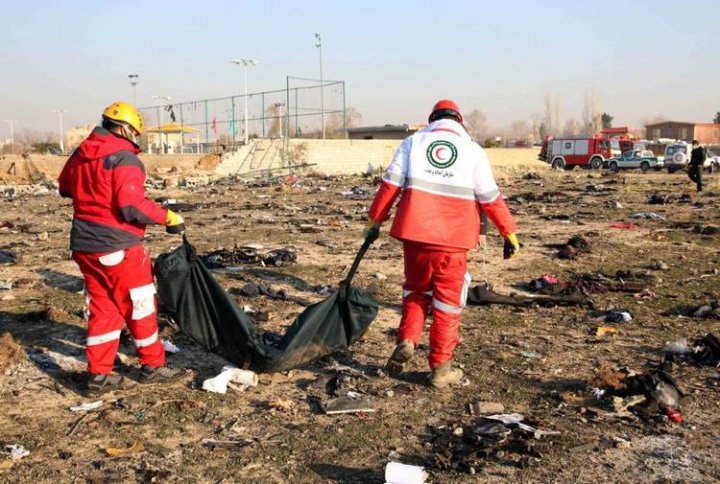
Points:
x=445, y=178
x=106, y=181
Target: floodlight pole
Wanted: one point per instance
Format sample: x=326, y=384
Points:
x=318, y=44
x=134, y=82
x=245, y=63
x=60, y=125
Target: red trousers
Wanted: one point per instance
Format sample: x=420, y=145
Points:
x=438, y=279
x=120, y=291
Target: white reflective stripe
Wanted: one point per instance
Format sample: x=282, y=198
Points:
x=143, y=299
x=112, y=259
x=147, y=341
x=103, y=338
x=394, y=179
x=465, y=289
x=406, y=293
x=488, y=197
x=446, y=307
x=466, y=193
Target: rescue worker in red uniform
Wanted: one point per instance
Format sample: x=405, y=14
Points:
x=444, y=180
x=106, y=181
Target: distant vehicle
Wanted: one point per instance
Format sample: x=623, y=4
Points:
x=569, y=152
x=677, y=157
x=643, y=159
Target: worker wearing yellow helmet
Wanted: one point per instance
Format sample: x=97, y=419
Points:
x=106, y=181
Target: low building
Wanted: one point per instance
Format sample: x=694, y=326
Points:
x=705, y=133
x=389, y=131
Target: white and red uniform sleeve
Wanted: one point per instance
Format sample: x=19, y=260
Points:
x=488, y=195
x=392, y=183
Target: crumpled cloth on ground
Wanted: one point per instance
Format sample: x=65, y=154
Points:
x=229, y=373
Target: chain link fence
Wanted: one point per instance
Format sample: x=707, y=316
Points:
x=301, y=110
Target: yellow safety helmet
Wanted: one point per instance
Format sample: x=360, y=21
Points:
x=125, y=113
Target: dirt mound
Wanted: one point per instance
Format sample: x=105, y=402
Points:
x=11, y=353
x=208, y=162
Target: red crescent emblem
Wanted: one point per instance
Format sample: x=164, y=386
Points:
x=437, y=153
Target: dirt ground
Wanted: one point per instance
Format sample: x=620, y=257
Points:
x=535, y=361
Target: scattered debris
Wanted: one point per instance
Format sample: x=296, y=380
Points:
x=119, y=452
x=8, y=257
x=356, y=193
x=574, y=247
x=281, y=404
x=603, y=331
x=397, y=473
x=170, y=347
x=706, y=229
x=228, y=374
x=222, y=258
x=484, y=295
x=466, y=447
x=347, y=405
x=660, y=199
x=16, y=451
x=617, y=316
x=226, y=444
x=658, y=266
x=86, y=407
x=647, y=215
x=483, y=408
x=624, y=226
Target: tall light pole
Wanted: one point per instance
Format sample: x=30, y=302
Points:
x=245, y=63
x=134, y=82
x=62, y=132
x=318, y=44
x=12, y=122
x=162, y=108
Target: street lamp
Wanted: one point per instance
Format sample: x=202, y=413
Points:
x=12, y=122
x=62, y=132
x=245, y=63
x=160, y=132
x=134, y=82
x=318, y=44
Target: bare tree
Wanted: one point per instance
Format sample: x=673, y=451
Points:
x=549, y=114
x=573, y=127
x=519, y=130
x=592, y=111
x=475, y=123
x=334, y=125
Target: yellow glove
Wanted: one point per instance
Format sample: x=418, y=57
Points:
x=511, y=246
x=174, y=223
x=372, y=230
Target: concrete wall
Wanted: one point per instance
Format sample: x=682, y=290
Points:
x=349, y=156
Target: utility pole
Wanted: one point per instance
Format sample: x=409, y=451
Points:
x=278, y=113
x=160, y=131
x=62, y=132
x=134, y=82
x=12, y=122
x=245, y=63
x=318, y=44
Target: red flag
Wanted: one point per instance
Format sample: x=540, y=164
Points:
x=213, y=125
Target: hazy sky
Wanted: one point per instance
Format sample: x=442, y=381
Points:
x=397, y=57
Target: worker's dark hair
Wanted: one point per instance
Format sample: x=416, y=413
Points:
x=695, y=142
x=444, y=114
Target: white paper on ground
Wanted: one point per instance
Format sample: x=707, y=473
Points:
x=219, y=383
x=397, y=473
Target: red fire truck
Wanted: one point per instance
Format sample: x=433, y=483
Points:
x=571, y=151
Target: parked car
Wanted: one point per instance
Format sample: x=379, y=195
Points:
x=677, y=157
x=643, y=159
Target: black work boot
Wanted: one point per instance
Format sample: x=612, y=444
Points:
x=99, y=384
x=160, y=374
x=402, y=354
